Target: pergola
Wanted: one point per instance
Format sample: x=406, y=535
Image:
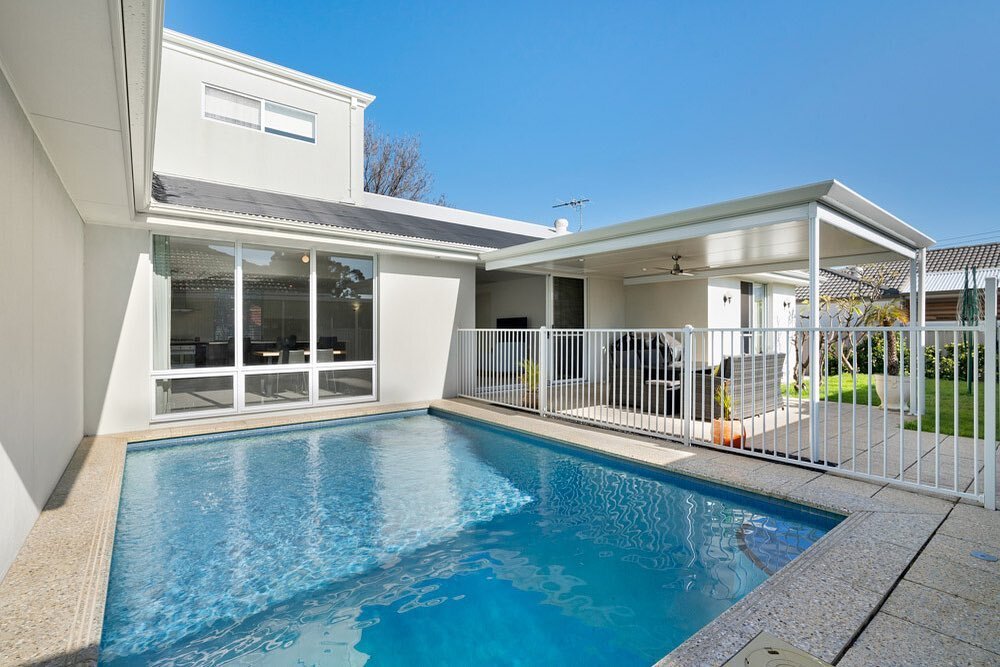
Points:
x=823, y=225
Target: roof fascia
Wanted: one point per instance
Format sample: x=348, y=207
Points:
x=849, y=202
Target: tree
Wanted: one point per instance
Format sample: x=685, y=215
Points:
x=862, y=307
x=888, y=315
x=394, y=166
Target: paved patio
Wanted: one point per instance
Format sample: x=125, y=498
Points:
x=893, y=584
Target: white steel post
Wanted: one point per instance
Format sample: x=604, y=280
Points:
x=990, y=397
x=542, y=391
x=922, y=323
x=814, y=360
x=687, y=385
x=915, y=385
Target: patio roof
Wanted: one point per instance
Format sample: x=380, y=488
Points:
x=759, y=234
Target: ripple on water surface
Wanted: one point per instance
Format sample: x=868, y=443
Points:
x=423, y=540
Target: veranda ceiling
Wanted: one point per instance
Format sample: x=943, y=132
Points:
x=764, y=233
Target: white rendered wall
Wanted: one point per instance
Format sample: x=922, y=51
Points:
x=520, y=297
x=189, y=145
x=118, y=329
x=723, y=314
x=670, y=304
x=41, y=327
x=422, y=303
x=605, y=303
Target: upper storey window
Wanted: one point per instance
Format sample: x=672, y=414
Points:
x=289, y=122
x=246, y=111
x=232, y=108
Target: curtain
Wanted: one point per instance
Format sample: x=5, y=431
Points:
x=161, y=303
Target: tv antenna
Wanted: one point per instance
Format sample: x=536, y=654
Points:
x=577, y=204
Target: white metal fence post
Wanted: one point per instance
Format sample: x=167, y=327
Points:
x=916, y=386
x=687, y=385
x=990, y=397
x=543, y=372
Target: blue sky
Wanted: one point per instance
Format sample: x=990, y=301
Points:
x=651, y=107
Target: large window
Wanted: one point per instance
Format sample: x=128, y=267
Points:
x=242, y=327
x=275, y=305
x=344, y=315
x=193, y=292
x=247, y=111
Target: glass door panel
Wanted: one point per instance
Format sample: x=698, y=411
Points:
x=275, y=306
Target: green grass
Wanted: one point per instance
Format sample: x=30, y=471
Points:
x=947, y=397
x=841, y=389
x=838, y=389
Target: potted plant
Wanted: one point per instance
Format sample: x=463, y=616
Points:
x=724, y=428
x=529, y=383
x=892, y=387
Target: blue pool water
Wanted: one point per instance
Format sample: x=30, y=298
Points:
x=424, y=539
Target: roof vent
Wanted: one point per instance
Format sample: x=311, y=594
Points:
x=562, y=226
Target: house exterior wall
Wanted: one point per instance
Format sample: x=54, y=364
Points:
x=421, y=301
x=117, y=298
x=520, y=297
x=605, y=302
x=187, y=144
x=671, y=304
x=722, y=314
x=41, y=327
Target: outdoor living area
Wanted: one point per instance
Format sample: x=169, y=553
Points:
x=679, y=326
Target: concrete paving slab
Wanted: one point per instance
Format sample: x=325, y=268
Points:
x=892, y=642
x=956, y=617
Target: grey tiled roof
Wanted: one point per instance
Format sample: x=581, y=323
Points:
x=232, y=199
x=842, y=284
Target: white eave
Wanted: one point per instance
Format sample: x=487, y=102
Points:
x=86, y=73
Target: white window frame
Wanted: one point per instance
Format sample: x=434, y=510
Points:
x=239, y=371
x=261, y=104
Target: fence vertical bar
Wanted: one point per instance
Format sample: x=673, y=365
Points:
x=990, y=397
x=542, y=390
x=687, y=385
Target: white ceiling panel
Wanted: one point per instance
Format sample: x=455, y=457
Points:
x=89, y=158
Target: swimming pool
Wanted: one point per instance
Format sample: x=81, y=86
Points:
x=421, y=538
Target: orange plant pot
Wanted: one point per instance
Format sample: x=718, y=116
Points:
x=724, y=432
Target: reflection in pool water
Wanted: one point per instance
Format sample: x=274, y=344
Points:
x=424, y=540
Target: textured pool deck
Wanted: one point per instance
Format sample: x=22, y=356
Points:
x=893, y=584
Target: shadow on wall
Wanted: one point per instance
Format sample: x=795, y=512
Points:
x=116, y=334
x=422, y=302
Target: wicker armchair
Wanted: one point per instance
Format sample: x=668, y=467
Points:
x=641, y=368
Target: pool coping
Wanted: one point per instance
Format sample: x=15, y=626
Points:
x=52, y=597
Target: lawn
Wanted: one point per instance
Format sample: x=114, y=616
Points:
x=842, y=389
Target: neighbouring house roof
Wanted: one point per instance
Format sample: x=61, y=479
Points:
x=945, y=272
x=192, y=193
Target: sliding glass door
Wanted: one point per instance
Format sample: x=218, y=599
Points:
x=242, y=327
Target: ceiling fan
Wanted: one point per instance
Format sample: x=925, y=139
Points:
x=676, y=269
